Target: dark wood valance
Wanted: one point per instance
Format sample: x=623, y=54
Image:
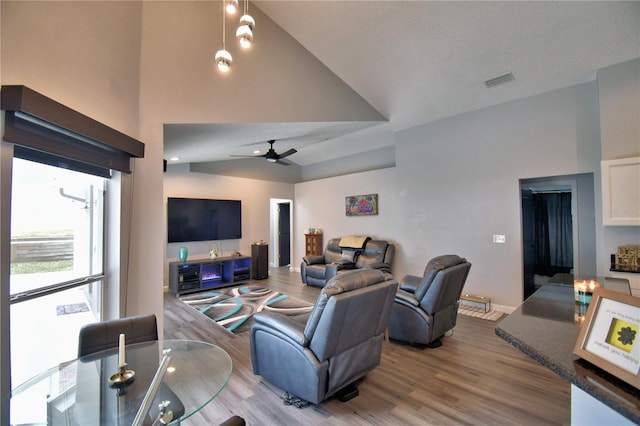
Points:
x=36, y=122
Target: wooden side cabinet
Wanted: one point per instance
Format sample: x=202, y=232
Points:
x=312, y=244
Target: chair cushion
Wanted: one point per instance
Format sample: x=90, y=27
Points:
x=348, y=255
x=434, y=266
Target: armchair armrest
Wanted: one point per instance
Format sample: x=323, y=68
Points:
x=406, y=298
x=379, y=265
x=344, y=264
x=410, y=283
x=332, y=268
x=284, y=325
x=313, y=260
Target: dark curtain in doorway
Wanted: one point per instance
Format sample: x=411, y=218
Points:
x=553, y=233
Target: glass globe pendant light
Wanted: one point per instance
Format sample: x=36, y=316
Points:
x=244, y=33
x=231, y=6
x=223, y=58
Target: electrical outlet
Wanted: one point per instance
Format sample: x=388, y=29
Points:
x=499, y=239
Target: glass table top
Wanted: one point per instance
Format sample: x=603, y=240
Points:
x=79, y=392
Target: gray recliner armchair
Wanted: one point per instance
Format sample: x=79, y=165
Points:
x=426, y=307
x=340, y=342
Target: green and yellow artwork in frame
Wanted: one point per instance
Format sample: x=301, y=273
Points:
x=361, y=205
x=610, y=335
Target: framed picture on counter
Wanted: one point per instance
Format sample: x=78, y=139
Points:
x=610, y=335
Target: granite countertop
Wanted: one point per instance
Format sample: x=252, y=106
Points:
x=544, y=327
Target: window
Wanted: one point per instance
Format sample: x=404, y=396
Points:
x=57, y=219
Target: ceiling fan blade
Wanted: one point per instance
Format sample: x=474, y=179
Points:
x=287, y=153
x=282, y=163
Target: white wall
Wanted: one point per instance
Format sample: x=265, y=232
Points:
x=84, y=55
x=321, y=204
x=255, y=196
x=456, y=183
x=619, y=94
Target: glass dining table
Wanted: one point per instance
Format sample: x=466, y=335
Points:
x=83, y=391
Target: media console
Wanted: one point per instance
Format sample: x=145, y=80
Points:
x=206, y=274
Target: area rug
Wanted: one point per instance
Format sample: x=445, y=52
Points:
x=233, y=307
x=476, y=312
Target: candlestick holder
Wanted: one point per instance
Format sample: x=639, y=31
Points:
x=123, y=377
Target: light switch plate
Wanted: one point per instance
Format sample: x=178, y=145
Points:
x=499, y=239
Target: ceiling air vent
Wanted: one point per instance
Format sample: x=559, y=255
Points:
x=503, y=78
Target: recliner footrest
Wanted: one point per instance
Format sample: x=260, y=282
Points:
x=347, y=393
x=435, y=344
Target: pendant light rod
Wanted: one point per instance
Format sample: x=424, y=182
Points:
x=223, y=58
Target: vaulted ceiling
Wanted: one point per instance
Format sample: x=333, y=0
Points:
x=409, y=63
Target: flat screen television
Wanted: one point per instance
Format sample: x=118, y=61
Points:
x=197, y=219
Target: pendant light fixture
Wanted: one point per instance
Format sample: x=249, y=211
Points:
x=223, y=58
x=244, y=33
x=231, y=6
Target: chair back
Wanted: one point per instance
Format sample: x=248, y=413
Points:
x=354, y=307
x=443, y=281
x=105, y=335
x=376, y=251
x=333, y=252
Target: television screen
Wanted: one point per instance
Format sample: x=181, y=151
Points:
x=193, y=219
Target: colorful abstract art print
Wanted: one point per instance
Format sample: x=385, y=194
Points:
x=361, y=205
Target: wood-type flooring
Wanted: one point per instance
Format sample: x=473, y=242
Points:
x=474, y=378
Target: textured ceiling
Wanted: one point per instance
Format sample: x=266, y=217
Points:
x=419, y=61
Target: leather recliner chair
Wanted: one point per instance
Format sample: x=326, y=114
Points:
x=340, y=342
x=318, y=270
x=426, y=307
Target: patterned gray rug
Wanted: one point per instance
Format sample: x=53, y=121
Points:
x=233, y=307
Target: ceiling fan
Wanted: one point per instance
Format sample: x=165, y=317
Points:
x=272, y=156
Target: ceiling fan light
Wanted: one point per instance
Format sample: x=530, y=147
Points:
x=272, y=160
x=231, y=6
x=223, y=60
x=248, y=21
x=245, y=36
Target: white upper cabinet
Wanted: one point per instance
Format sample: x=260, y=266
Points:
x=621, y=192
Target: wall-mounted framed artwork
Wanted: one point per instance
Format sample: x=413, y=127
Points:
x=609, y=337
x=361, y=205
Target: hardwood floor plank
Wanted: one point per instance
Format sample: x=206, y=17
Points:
x=475, y=378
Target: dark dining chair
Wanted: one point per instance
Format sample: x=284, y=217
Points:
x=100, y=336
x=103, y=335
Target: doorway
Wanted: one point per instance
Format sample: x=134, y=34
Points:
x=281, y=232
x=558, y=230
x=284, y=234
